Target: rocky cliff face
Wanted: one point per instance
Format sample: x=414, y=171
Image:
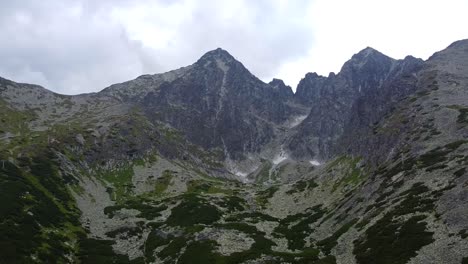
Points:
x=215, y=103
x=365, y=166
x=371, y=107
x=337, y=101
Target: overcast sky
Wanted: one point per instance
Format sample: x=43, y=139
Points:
x=81, y=46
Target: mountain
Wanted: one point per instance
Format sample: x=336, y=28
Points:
x=337, y=100
x=215, y=103
x=208, y=164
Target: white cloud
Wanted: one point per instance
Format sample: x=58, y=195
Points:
x=71, y=51
x=84, y=45
x=397, y=28
x=261, y=34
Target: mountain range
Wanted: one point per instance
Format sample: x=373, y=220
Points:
x=209, y=164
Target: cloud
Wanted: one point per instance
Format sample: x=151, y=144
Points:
x=397, y=28
x=84, y=45
x=67, y=48
x=261, y=34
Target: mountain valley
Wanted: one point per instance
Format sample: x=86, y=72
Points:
x=209, y=164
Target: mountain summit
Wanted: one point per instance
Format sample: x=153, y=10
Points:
x=219, y=54
x=214, y=103
x=362, y=80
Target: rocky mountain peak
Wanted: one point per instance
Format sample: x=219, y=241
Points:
x=365, y=70
x=362, y=81
x=219, y=61
x=367, y=60
x=219, y=56
x=277, y=82
x=284, y=90
x=312, y=75
x=369, y=51
x=459, y=43
x=309, y=87
x=453, y=59
x=218, y=52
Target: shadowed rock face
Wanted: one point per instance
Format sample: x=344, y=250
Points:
x=371, y=107
x=215, y=103
x=218, y=103
x=337, y=100
x=282, y=88
x=310, y=88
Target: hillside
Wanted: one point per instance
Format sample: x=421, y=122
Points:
x=209, y=164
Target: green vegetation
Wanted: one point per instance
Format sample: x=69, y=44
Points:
x=264, y=195
x=121, y=180
x=393, y=239
x=330, y=242
x=263, y=246
x=362, y=223
x=456, y=144
x=46, y=178
x=193, y=210
x=253, y=216
x=39, y=218
x=163, y=182
x=463, y=116
x=153, y=241
x=432, y=157
x=403, y=165
x=438, y=155
x=295, y=228
x=201, y=252
x=353, y=176
x=432, y=160
x=233, y=203
x=392, y=242
x=301, y=186
x=204, y=251
x=423, y=93
x=148, y=211
x=463, y=233
x=173, y=248
x=14, y=121
x=206, y=187
x=100, y=251
x=259, y=247
x=171, y=135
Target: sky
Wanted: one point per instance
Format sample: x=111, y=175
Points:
x=79, y=46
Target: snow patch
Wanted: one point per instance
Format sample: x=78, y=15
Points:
x=297, y=120
x=240, y=174
x=242, y=169
x=315, y=162
x=282, y=156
